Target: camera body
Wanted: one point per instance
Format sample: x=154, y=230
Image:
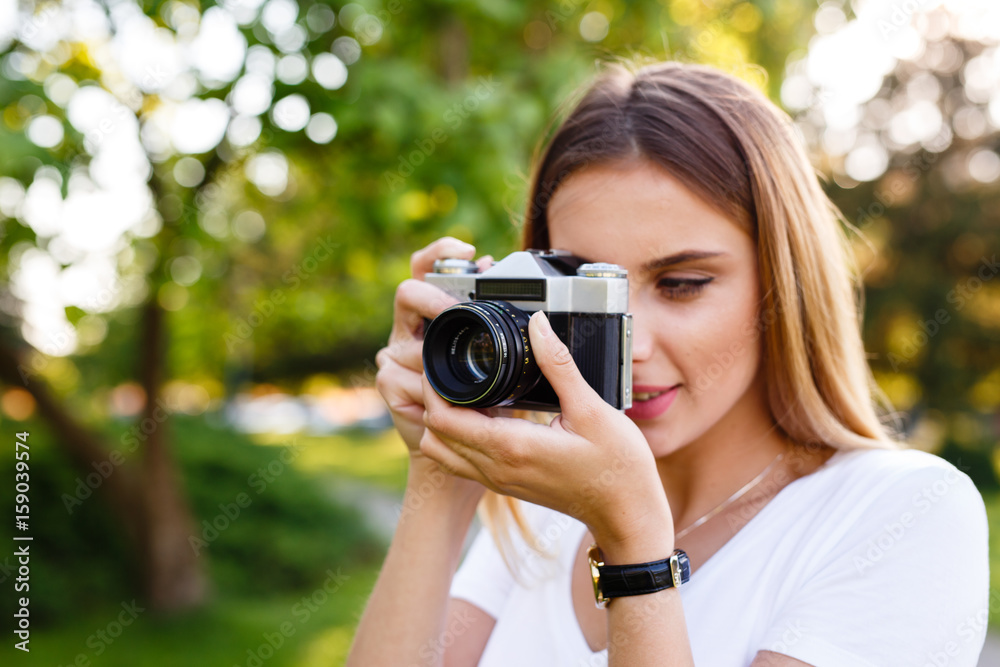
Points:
x=478, y=354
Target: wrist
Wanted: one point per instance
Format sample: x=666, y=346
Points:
x=647, y=536
x=426, y=483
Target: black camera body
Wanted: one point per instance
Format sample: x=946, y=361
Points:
x=478, y=354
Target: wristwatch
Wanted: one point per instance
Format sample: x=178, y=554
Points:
x=612, y=581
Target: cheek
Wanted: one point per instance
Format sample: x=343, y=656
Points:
x=722, y=350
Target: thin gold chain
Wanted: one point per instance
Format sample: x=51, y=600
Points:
x=731, y=499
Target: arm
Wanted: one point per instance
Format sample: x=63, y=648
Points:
x=465, y=634
x=651, y=629
x=771, y=659
x=405, y=618
x=645, y=629
x=406, y=613
x=564, y=466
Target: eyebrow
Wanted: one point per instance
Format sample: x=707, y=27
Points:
x=678, y=258
x=672, y=260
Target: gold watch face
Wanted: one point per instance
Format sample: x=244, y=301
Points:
x=594, y=556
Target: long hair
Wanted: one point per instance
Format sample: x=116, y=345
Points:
x=731, y=146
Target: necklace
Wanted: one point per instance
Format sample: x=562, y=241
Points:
x=731, y=499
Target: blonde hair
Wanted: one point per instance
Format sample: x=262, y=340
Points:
x=729, y=144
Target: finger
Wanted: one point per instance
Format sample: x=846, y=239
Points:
x=487, y=442
x=383, y=357
x=484, y=262
x=406, y=352
x=401, y=389
x=422, y=261
x=416, y=300
x=450, y=462
x=577, y=399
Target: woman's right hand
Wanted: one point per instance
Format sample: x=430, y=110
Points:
x=400, y=363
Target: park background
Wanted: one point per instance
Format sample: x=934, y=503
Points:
x=205, y=208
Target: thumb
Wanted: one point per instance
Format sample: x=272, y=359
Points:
x=556, y=362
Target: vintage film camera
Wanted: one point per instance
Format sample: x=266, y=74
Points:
x=478, y=354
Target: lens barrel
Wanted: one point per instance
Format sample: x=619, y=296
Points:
x=477, y=354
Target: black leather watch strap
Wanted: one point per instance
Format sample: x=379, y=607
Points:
x=622, y=580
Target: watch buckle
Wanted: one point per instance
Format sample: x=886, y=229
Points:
x=675, y=570
x=596, y=560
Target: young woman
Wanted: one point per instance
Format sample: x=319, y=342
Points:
x=753, y=444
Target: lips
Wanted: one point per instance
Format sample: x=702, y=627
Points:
x=649, y=402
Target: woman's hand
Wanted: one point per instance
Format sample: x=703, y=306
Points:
x=591, y=462
x=400, y=364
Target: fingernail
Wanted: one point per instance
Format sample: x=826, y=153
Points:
x=544, y=328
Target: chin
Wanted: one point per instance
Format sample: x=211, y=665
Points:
x=660, y=439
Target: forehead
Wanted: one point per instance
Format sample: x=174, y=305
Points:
x=628, y=213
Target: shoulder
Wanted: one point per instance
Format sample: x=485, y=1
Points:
x=884, y=459
x=881, y=536
x=861, y=496
x=900, y=496
x=871, y=471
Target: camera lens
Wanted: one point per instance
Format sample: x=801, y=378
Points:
x=474, y=358
x=477, y=354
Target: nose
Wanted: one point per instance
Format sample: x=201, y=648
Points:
x=642, y=334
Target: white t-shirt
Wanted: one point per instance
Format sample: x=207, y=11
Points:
x=879, y=557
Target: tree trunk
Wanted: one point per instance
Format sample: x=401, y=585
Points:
x=84, y=447
x=147, y=499
x=174, y=576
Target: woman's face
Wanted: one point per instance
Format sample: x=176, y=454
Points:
x=693, y=294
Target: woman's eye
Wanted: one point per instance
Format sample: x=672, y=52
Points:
x=682, y=287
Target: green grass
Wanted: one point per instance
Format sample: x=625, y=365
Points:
x=278, y=550
x=377, y=458
x=224, y=631
x=227, y=632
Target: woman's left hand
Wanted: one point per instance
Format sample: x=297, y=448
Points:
x=591, y=462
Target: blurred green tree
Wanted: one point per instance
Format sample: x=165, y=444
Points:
x=907, y=127
x=248, y=245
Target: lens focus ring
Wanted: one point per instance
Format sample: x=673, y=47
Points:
x=477, y=354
